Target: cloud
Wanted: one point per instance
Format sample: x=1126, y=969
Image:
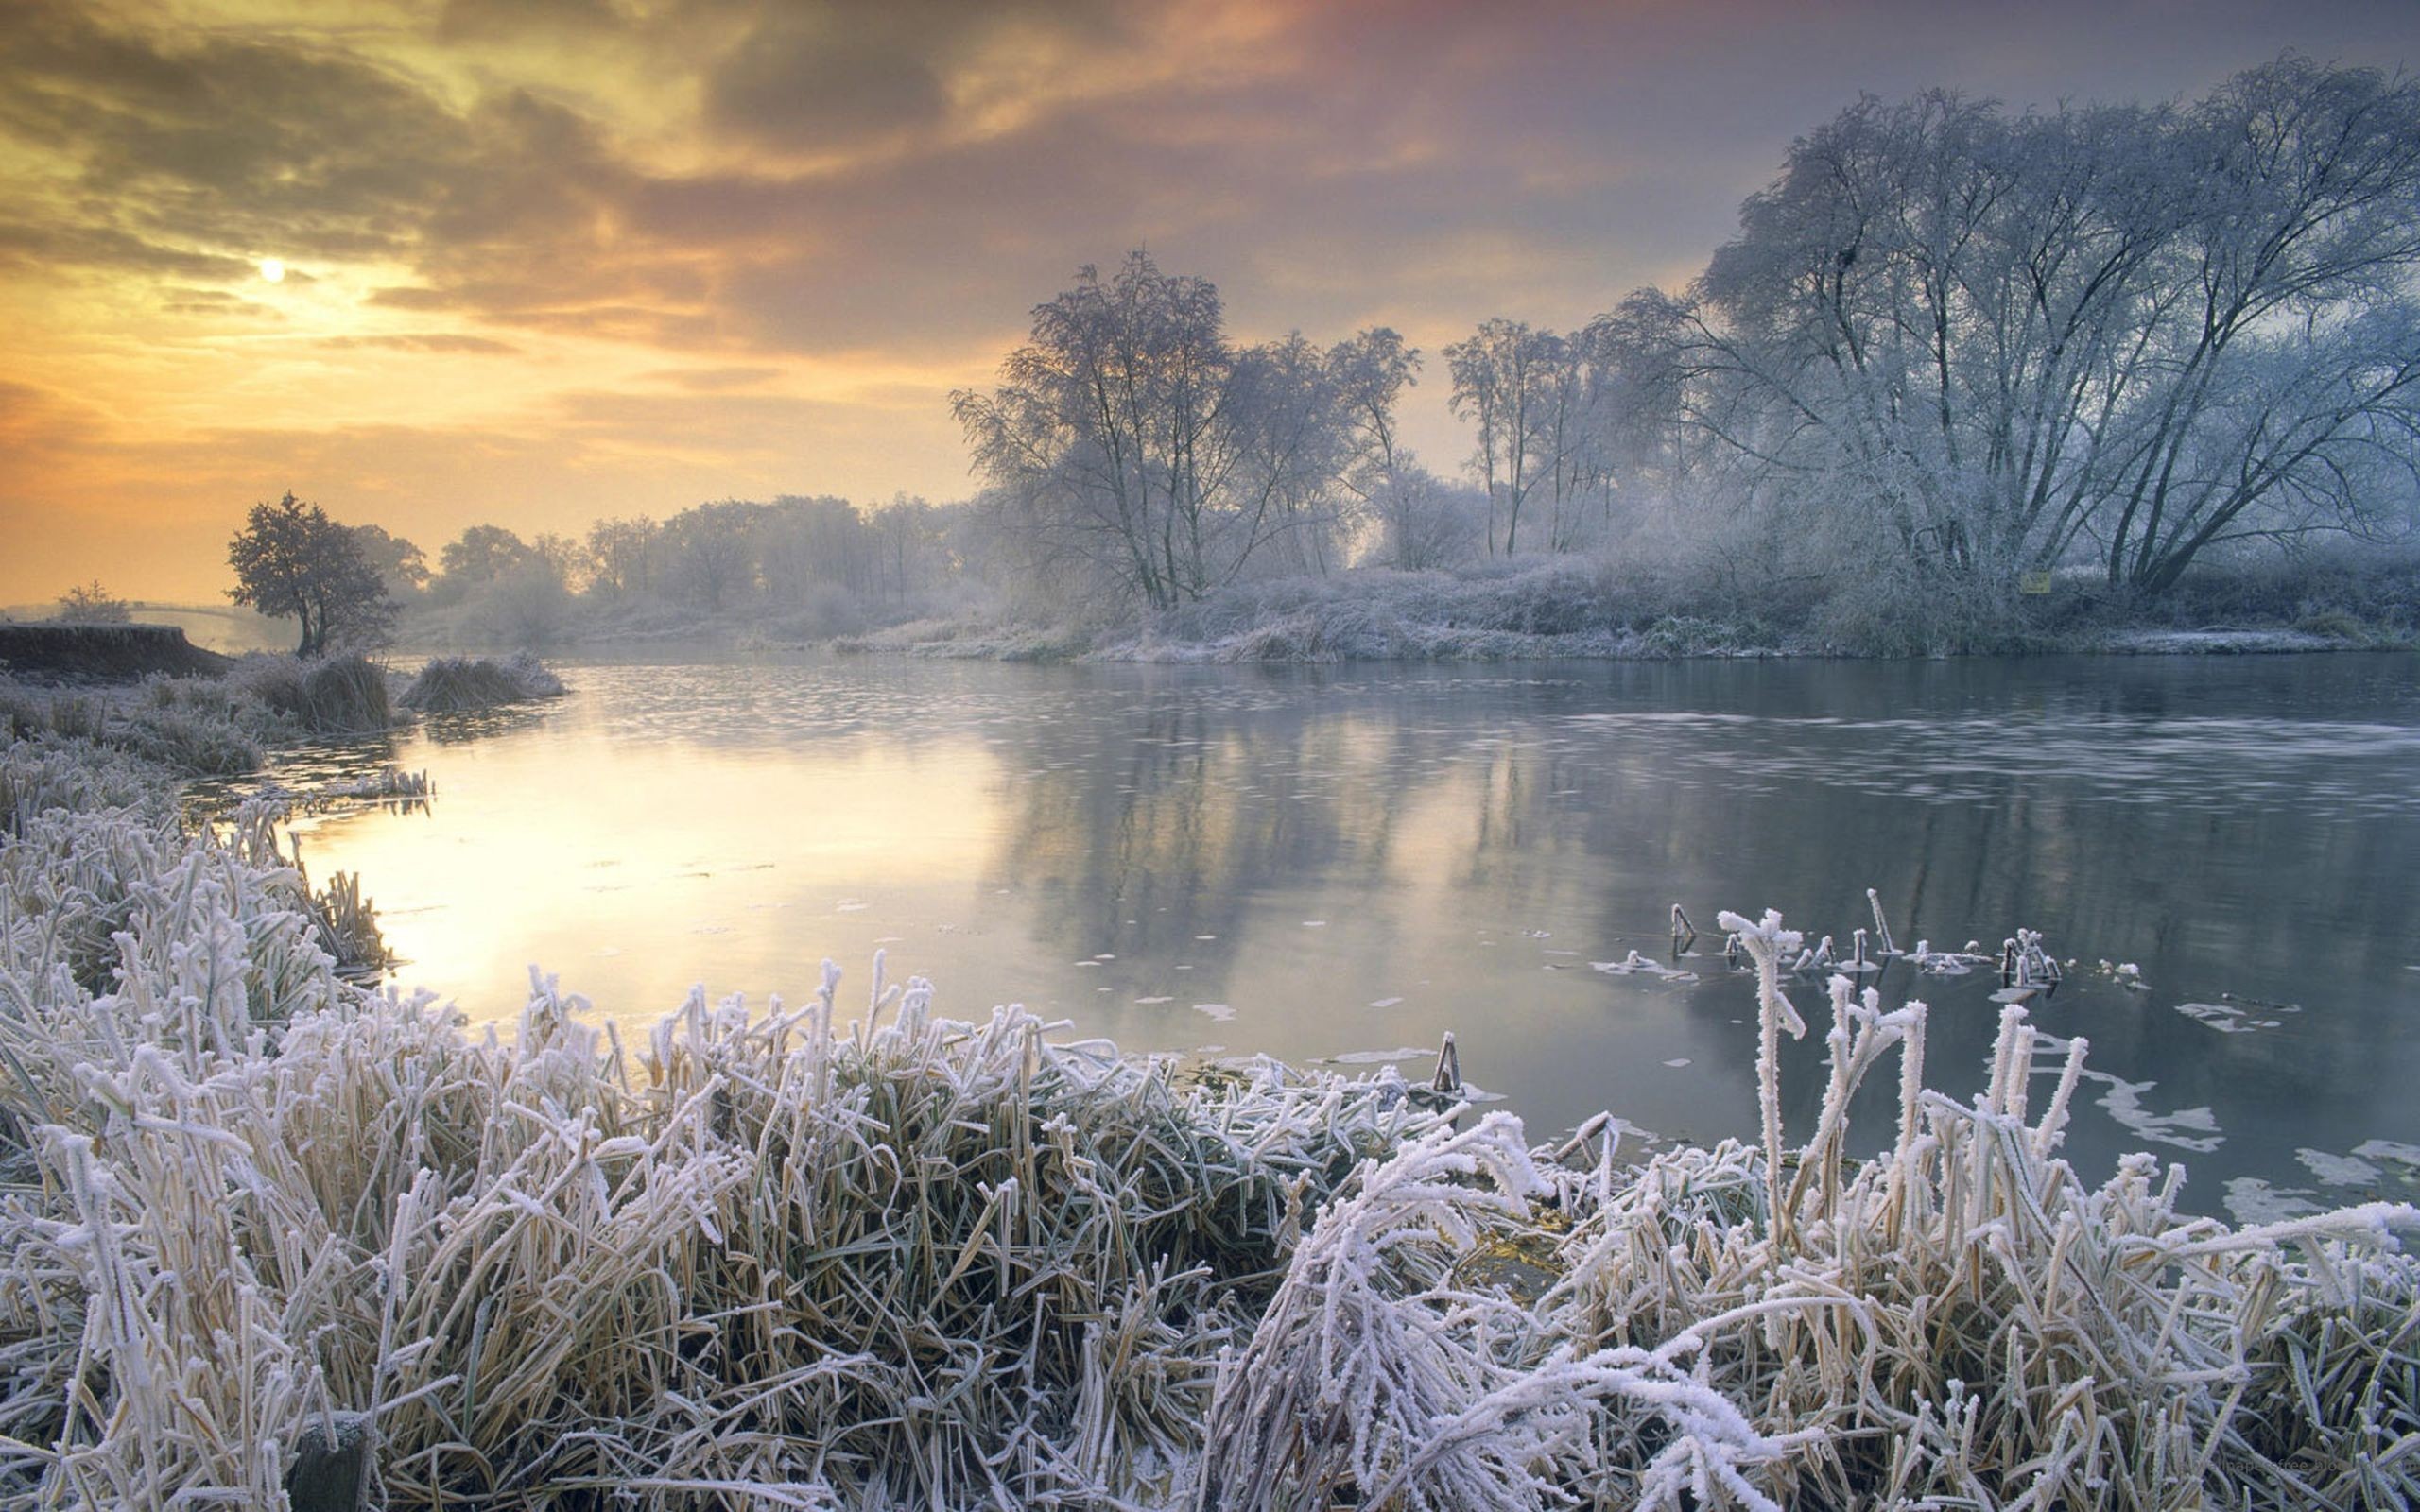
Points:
x=712, y=379
x=38, y=248
x=443, y=341
x=479, y=21
x=809, y=78
x=211, y=144
x=711, y=247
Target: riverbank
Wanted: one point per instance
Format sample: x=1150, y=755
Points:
x=222, y=719
x=103, y=653
x=919, y=1260
x=1534, y=606
x=1569, y=607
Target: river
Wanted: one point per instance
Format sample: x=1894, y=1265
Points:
x=1339, y=865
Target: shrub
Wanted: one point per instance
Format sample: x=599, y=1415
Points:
x=453, y=684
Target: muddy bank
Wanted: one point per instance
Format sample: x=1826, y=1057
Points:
x=104, y=653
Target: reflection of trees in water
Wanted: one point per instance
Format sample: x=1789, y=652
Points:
x=1183, y=814
x=1139, y=833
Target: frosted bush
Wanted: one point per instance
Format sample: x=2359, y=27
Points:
x=452, y=684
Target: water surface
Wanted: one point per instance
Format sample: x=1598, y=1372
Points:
x=1334, y=862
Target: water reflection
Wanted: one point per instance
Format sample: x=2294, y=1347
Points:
x=1331, y=862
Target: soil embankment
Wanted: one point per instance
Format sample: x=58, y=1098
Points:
x=103, y=653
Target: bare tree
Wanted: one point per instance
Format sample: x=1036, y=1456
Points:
x=1503, y=378
x=1130, y=437
x=1994, y=344
x=92, y=604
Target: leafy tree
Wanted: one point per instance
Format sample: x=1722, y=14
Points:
x=92, y=604
x=291, y=559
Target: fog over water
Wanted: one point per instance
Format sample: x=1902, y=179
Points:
x=1329, y=863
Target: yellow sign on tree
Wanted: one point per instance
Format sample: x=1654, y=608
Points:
x=2037, y=582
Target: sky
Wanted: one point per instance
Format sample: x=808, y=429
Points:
x=543, y=261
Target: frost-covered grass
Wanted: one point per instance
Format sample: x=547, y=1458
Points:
x=196, y=727
x=920, y=1262
x=208, y=726
x=342, y=695
x=453, y=684
x=1959, y=1321
x=977, y=640
x=1540, y=606
x=213, y=727
x=770, y=1259
x=1702, y=604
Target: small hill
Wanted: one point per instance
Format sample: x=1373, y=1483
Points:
x=103, y=653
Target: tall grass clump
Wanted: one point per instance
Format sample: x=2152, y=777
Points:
x=340, y=694
x=184, y=724
x=46, y=773
x=453, y=684
x=1957, y=1321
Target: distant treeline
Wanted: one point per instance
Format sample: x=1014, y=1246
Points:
x=807, y=566
x=1953, y=356
x=1951, y=349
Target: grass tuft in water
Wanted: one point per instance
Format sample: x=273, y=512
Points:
x=453, y=684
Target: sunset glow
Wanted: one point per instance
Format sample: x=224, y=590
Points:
x=538, y=264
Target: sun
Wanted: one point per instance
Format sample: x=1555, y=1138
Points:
x=273, y=270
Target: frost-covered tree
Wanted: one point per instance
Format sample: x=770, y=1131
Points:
x=911, y=545
x=1424, y=522
x=621, y=556
x=1538, y=401
x=92, y=604
x=1293, y=452
x=2128, y=334
x=1369, y=372
x=480, y=554
x=401, y=565
x=1503, y=378
x=711, y=550
x=1130, y=439
x=291, y=559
